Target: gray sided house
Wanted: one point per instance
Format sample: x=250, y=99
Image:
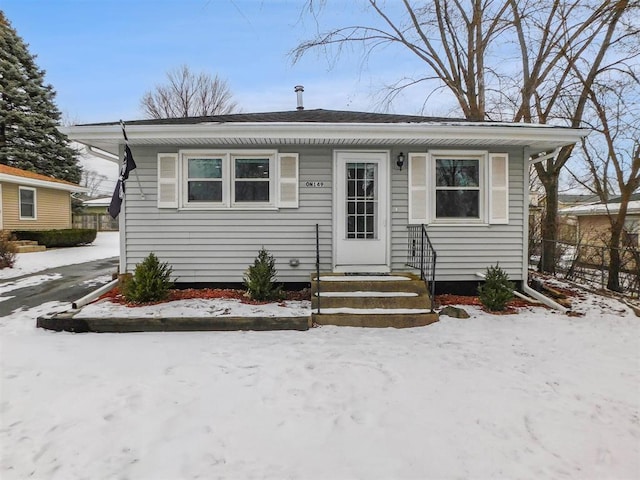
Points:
x=213, y=190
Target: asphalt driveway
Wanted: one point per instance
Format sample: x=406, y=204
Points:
x=70, y=283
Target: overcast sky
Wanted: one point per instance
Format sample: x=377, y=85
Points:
x=101, y=56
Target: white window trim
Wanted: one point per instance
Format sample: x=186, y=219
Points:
x=228, y=179
x=483, y=183
x=271, y=155
x=35, y=203
x=183, y=170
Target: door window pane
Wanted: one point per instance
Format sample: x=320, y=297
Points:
x=361, y=200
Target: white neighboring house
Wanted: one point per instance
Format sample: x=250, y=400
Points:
x=214, y=190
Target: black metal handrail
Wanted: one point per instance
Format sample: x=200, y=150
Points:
x=422, y=256
x=318, y=267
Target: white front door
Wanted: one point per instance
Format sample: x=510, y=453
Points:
x=361, y=213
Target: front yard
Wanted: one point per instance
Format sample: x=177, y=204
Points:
x=533, y=395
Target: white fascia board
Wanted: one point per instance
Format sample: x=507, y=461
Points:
x=33, y=182
x=519, y=134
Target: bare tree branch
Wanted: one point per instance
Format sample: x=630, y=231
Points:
x=189, y=95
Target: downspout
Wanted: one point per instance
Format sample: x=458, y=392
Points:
x=90, y=297
x=525, y=254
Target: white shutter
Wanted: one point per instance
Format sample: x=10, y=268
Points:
x=418, y=188
x=167, y=180
x=288, y=180
x=499, y=188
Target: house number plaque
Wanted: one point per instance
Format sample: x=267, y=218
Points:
x=314, y=184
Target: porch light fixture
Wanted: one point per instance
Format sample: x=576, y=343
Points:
x=400, y=161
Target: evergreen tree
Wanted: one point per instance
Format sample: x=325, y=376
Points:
x=29, y=138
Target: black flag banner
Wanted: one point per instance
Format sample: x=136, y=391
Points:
x=128, y=164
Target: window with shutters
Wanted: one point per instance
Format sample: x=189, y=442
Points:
x=463, y=187
x=242, y=179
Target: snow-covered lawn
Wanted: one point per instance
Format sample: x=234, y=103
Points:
x=534, y=395
x=106, y=245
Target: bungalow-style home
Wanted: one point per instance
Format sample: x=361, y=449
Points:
x=30, y=201
x=594, y=227
x=211, y=191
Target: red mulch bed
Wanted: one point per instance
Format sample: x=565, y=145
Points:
x=448, y=299
x=115, y=295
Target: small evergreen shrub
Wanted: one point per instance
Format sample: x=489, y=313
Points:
x=150, y=281
x=69, y=237
x=496, y=290
x=7, y=250
x=260, y=278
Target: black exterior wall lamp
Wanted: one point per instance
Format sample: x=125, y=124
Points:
x=400, y=161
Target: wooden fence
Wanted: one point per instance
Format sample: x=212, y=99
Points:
x=100, y=221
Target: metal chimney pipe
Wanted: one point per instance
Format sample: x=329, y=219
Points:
x=299, y=89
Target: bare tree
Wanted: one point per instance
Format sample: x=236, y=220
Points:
x=93, y=181
x=500, y=59
x=189, y=95
x=612, y=157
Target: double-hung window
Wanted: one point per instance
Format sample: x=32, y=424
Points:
x=252, y=179
x=204, y=180
x=228, y=179
x=458, y=187
x=27, y=203
x=461, y=187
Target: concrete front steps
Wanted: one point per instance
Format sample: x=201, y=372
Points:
x=27, y=246
x=397, y=300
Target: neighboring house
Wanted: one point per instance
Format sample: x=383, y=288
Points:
x=567, y=225
x=214, y=190
x=96, y=205
x=594, y=226
x=30, y=201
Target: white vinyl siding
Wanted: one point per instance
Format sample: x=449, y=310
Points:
x=218, y=245
x=464, y=249
x=167, y=180
x=499, y=192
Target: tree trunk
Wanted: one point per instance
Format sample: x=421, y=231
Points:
x=549, y=227
x=613, y=280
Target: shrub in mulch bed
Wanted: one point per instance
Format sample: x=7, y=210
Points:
x=115, y=296
x=512, y=305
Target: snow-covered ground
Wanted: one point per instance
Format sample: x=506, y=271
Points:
x=106, y=245
x=530, y=396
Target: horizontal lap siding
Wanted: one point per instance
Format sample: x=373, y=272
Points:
x=219, y=245
x=53, y=209
x=464, y=250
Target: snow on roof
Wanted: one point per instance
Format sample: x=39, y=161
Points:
x=17, y=175
x=601, y=208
